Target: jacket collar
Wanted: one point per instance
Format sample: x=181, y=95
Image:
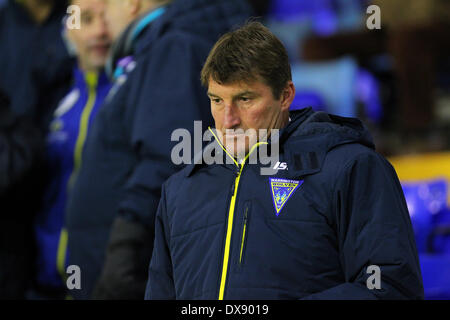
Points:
x=306, y=140
x=304, y=143
x=128, y=43
x=85, y=80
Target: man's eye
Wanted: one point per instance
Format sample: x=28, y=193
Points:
x=245, y=99
x=215, y=100
x=86, y=19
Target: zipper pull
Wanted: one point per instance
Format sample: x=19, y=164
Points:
x=233, y=187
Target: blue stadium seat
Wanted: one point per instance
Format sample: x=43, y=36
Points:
x=436, y=276
x=326, y=16
x=427, y=207
x=294, y=21
x=308, y=99
x=288, y=10
x=430, y=217
x=439, y=240
x=368, y=93
x=334, y=81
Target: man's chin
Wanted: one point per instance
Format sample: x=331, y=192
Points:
x=238, y=154
x=238, y=145
x=97, y=63
x=238, y=151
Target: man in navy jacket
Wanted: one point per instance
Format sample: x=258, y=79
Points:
x=156, y=63
x=329, y=221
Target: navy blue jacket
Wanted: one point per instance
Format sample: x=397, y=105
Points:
x=35, y=65
x=65, y=141
x=127, y=153
x=311, y=230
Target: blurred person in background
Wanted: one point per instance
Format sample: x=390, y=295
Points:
x=35, y=67
x=35, y=64
x=21, y=151
x=65, y=142
x=159, y=50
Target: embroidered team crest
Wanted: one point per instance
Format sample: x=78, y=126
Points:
x=282, y=190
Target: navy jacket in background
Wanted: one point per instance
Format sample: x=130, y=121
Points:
x=35, y=65
x=310, y=231
x=127, y=153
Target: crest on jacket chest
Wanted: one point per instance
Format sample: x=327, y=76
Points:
x=282, y=190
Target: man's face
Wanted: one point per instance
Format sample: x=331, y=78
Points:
x=118, y=17
x=92, y=40
x=238, y=107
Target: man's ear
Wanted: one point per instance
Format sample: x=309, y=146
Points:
x=133, y=7
x=67, y=36
x=287, y=96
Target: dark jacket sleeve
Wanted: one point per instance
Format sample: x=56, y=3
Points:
x=160, y=285
x=21, y=146
x=374, y=228
x=171, y=97
x=128, y=252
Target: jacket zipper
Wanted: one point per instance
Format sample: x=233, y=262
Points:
x=226, y=255
x=91, y=83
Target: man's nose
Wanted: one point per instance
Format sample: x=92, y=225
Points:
x=101, y=28
x=231, y=117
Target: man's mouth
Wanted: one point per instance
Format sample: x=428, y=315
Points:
x=233, y=132
x=233, y=135
x=100, y=49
